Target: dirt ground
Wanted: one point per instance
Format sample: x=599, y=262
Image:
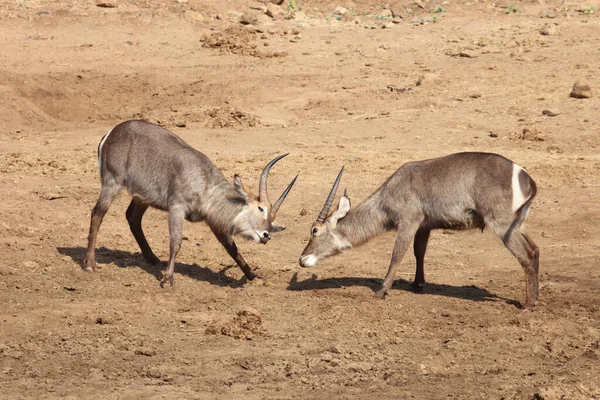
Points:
x=369, y=89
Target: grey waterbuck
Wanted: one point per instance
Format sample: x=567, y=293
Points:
x=160, y=170
x=460, y=191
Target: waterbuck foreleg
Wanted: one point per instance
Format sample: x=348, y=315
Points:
x=227, y=242
x=420, y=246
x=176, y=217
x=108, y=192
x=134, y=215
x=405, y=235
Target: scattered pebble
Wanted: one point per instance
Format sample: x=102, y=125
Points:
x=194, y=16
x=275, y=11
x=106, y=4
x=531, y=134
x=549, y=30
x=552, y=112
x=145, y=352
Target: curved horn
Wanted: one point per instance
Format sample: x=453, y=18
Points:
x=329, y=200
x=262, y=183
x=281, y=198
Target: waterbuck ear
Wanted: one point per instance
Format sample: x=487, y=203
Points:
x=343, y=208
x=239, y=186
x=275, y=227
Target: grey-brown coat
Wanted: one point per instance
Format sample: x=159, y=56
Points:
x=160, y=170
x=459, y=191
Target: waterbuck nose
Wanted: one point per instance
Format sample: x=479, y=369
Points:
x=307, y=261
x=265, y=237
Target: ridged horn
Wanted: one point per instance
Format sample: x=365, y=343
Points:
x=262, y=183
x=281, y=198
x=329, y=200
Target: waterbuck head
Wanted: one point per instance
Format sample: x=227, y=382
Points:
x=326, y=239
x=256, y=221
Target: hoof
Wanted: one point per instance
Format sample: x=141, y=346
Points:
x=165, y=280
x=417, y=287
x=381, y=293
x=89, y=267
x=252, y=276
x=153, y=260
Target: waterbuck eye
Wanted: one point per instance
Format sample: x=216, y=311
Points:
x=314, y=231
x=260, y=209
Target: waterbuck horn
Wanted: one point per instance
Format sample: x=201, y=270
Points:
x=329, y=200
x=281, y=198
x=262, y=184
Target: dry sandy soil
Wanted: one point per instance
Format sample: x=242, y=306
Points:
x=362, y=91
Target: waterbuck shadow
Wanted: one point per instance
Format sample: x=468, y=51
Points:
x=469, y=292
x=125, y=259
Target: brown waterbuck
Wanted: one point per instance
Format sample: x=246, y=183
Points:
x=460, y=191
x=160, y=170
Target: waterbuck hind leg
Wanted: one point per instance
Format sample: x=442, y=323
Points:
x=227, y=242
x=176, y=218
x=528, y=254
x=134, y=215
x=405, y=235
x=108, y=192
x=536, y=264
x=420, y=246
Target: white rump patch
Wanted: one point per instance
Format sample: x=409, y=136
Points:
x=100, y=149
x=518, y=196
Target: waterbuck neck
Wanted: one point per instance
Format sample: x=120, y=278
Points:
x=364, y=222
x=222, y=204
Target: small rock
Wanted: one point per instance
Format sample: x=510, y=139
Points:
x=145, y=352
x=467, y=54
x=335, y=349
x=259, y=7
x=194, y=16
x=475, y=95
x=397, y=19
x=429, y=79
x=551, y=112
x=531, y=135
x=387, y=14
x=180, y=124
x=339, y=10
x=275, y=11
x=493, y=134
x=249, y=18
x=303, y=212
x=581, y=90
x=549, y=30
x=102, y=321
x=106, y=4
